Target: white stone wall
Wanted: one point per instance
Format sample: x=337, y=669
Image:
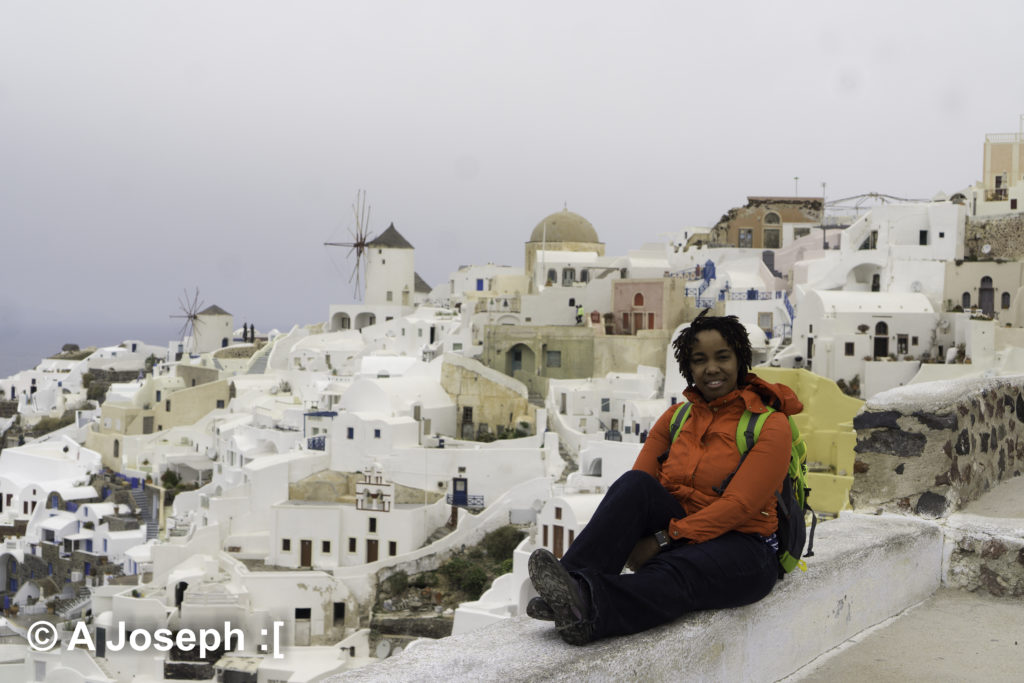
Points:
x=882, y=375
x=390, y=274
x=313, y=523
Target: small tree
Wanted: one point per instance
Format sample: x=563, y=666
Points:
x=169, y=479
x=500, y=543
x=473, y=581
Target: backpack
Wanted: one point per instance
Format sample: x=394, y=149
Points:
x=791, y=497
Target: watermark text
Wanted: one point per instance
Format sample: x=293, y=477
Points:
x=44, y=636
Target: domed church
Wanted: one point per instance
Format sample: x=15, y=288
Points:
x=561, y=231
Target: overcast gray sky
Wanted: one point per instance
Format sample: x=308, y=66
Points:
x=146, y=147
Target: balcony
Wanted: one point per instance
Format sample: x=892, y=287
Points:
x=472, y=502
x=998, y=195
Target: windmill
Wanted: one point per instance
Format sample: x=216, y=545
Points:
x=360, y=238
x=189, y=307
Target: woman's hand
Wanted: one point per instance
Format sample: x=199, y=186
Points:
x=643, y=551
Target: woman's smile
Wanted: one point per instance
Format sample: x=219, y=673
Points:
x=714, y=365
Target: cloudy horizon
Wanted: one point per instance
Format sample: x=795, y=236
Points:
x=146, y=148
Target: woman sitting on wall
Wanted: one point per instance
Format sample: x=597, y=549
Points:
x=690, y=544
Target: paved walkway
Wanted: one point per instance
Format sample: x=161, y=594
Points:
x=952, y=636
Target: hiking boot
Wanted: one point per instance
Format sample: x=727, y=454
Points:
x=538, y=609
x=563, y=596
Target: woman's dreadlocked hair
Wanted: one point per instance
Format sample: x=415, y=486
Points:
x=732, y=331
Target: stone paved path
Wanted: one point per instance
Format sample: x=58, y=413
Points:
x=952, y=636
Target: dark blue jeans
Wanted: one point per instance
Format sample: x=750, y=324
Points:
x=731, y=570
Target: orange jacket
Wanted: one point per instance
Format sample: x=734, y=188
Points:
x=705, y=453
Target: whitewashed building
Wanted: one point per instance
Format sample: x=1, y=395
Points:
x=881, y=337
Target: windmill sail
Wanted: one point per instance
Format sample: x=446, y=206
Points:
x=189, y=307
x=360, y=238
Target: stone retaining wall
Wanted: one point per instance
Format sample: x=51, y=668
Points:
x=1003, y=233
x=933, y=454
x=985, y=554
x=8, y=408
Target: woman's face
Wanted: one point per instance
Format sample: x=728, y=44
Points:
x=714, y=365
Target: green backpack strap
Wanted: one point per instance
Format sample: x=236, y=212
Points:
x=747, y=432
x=678, y=418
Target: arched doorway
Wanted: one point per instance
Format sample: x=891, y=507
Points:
x=987, y=296
x=520, y=358
x=864, y=277
x=340, y=321
x=881, y=340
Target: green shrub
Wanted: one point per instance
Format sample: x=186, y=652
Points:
x=453, y=568
x=169, y=479
x=396, y=583
x=49, y=424
x=464, y=575
x=500, y=543
x=505, y=567
x=473, y=581
x=97, y=391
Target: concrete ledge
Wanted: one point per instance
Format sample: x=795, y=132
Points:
x=985, y=553
x=866, y=569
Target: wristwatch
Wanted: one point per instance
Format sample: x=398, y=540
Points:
x=662, y=538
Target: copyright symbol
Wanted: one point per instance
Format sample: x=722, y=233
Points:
x=42, y=636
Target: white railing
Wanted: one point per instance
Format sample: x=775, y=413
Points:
x=1003, y=137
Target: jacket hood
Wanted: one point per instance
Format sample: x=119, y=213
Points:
x=778, y=396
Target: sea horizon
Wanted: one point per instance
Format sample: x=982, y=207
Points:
x=23, y=347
